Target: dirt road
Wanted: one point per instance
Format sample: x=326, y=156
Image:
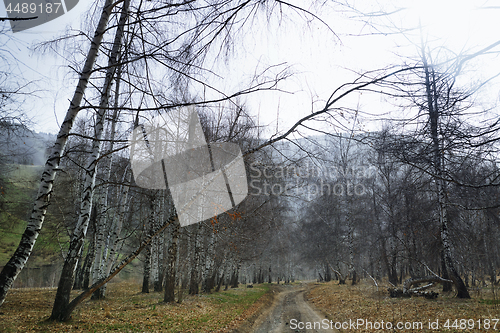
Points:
x=290, y=313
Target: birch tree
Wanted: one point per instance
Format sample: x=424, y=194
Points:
x=12, y=269
x=171, y=265
x=443, y=142
x=433, y=105
x=77, y=239
x=109, y=231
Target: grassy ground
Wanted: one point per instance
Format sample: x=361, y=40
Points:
x=17, y=199
x=342, y=303
x=127, y=310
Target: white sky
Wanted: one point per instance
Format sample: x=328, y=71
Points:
x=47, y=72
x=319, y=60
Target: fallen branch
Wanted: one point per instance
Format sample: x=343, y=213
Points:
x=427, y=286
x=418, y=291
x=431, y=278
x=371, y=277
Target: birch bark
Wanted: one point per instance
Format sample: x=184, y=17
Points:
x=77, y=239
x=105, y=232
x=42, y=201
x=193, y=281
x=433, y=109
x=171, y=266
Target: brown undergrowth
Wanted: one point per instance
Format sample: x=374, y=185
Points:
x=348, y=304
x=127, y=310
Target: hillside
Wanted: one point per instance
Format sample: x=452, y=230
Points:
x=23, y=154
x=19, y=145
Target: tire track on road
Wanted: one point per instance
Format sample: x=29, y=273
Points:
x=288, y=309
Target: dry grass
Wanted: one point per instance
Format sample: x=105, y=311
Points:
x=125, y=309
x=342, y=303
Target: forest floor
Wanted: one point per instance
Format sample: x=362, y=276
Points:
x=125, y=309
x=264, y=308
x=363, y=304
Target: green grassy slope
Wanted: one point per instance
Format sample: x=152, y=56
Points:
x=21, y=182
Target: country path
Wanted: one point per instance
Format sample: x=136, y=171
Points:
x=291, y=313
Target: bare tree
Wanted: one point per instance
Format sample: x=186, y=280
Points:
x=18, y=260
x=433, y=105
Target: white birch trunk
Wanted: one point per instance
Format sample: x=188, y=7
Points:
x=117, y=228
x=438, y=160
x=35, y=222
x=108, y=234
x=68, y=273
x=99, y=245
x=169, y=295
x=208, y=283
x=194, y=278
x=149, y=248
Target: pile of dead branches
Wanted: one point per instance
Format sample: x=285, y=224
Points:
x=408, y=291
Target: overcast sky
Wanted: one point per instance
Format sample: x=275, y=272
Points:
x=319, y=59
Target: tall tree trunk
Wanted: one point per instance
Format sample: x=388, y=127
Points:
x=99, y=246
x=68, y=272
x=445, y=275
x=193, y=282
x=433, y=108
x=35, y=222
x=208, y=282
x=107, y=233
x=391, y=272
x=352, y=269
x=79, y=271
x=118, y=221
x=87, y=265
x=159, y=248
x=127, y=260
x=171, y=266
x=89, y=259
x=147, y=270
x=220, y=282
x=149, y=248
x=158, y=264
